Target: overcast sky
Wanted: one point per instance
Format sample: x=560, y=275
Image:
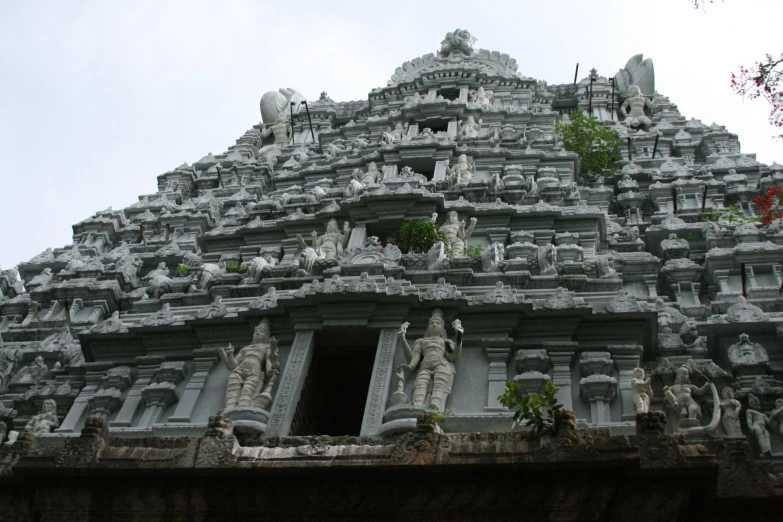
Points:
x=98, y=98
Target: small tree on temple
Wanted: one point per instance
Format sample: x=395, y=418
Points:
x=595, y=144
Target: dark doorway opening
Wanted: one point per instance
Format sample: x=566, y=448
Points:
x=335, y=391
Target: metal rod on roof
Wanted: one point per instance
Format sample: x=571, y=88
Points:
x=220, y=175
x=168, y=230
x=655, y=146
x=611, y=107
x=67, y=314
x=674, y=199
x=590, y=97
x=293, y=136
x=744, y=282
x=576, y=72
x=307, y=108
x=630, y=156
x=704, y=198
x=143, y=237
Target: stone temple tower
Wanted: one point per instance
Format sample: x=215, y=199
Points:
x=318, y=323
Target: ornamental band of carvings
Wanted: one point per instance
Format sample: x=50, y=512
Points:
x=379, y=388
x=292, y=375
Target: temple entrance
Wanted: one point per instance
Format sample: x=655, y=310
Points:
x=335, y=390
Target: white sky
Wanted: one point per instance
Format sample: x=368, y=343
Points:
x=99, y=97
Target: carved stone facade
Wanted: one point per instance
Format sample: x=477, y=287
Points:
x=619, y=291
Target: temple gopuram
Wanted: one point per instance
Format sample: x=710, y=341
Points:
x=320, y=322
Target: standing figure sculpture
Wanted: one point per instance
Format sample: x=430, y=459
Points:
x=731, y=408
x=642, y=391
x=757, y=424
x=45, y=421
x=461, y=172
x=680, y=398
x=253, y=371
x=434, y=355
x=637, y=102
x=456, y=233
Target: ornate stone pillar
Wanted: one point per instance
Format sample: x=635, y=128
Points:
x=108, y=399
x=597, y=387
x=203, y=361
x=93, y=376
x=146, y=366
x=162, y=393
x=560, y=355
x=498, y=351
x=626, y=362
x=378, y=393
x=291, y=383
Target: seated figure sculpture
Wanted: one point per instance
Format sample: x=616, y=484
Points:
x=434, y=355
x=461, y=172
x=481, y=97
x=329, y=245
x=253, y=371
x=637, y=102
x=362, y=180
x=281, y=131
x=470, y=129
x=680, y=398
x=45, y=421
x=456, y=233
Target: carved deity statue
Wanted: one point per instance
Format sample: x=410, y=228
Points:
x=680, y=398
x=462, y=172
x=397, y=134
x=456, y=233
x=253, y=370
x=481, y=97
x=434, y=355
x=460, y=41
x=642, y=391
x=158, y=281
x=329, y=245
x=746, y=353
x=470, y=129
x=637, y=102
x=31, y=373
x=731, y=409
x=281, y=131
x=757, y=424
x=546, y=259
x=45, y=421
x=413, y=99
x=361, y=180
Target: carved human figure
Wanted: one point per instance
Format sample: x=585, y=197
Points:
x=746, y=353
x=777, y=415
x=461, y=172
x=280, y=130
x=680, y=398
x=413, y=99
x=253, y=370
x=642, y=391
x=361, y=180
x=456, y=233
x=329, y=245
x=731, y=409
x=45, y=421
x=637, y=102
x=546, y=259
x=398, y=133
x=158, y=281
x=481, y=97
x=757, y=424
x=31, y=373
x=8, y=361
x=434, y=356
x=256, y=268
x=471, y=128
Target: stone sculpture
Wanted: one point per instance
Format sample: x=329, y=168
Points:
x=462, y=171
x=456, y=233
x=397, y=134
x=470, y=130
x=31, y=373
x=8, y=362
x=434, y=355
x=745, y=353
x=731, y=409
x=253, y=371
x=460, y=41
x=158, y=281
x=637, y=103
x=642, y=391
x=281, y=131
x=275, y=102
x=638, y=71
x=481, y=97
x=45, y=421
x=757, y=424
x=329, y=245
x=257, y=267
x=361, y=180
x=546, y=260
x=680, y=398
